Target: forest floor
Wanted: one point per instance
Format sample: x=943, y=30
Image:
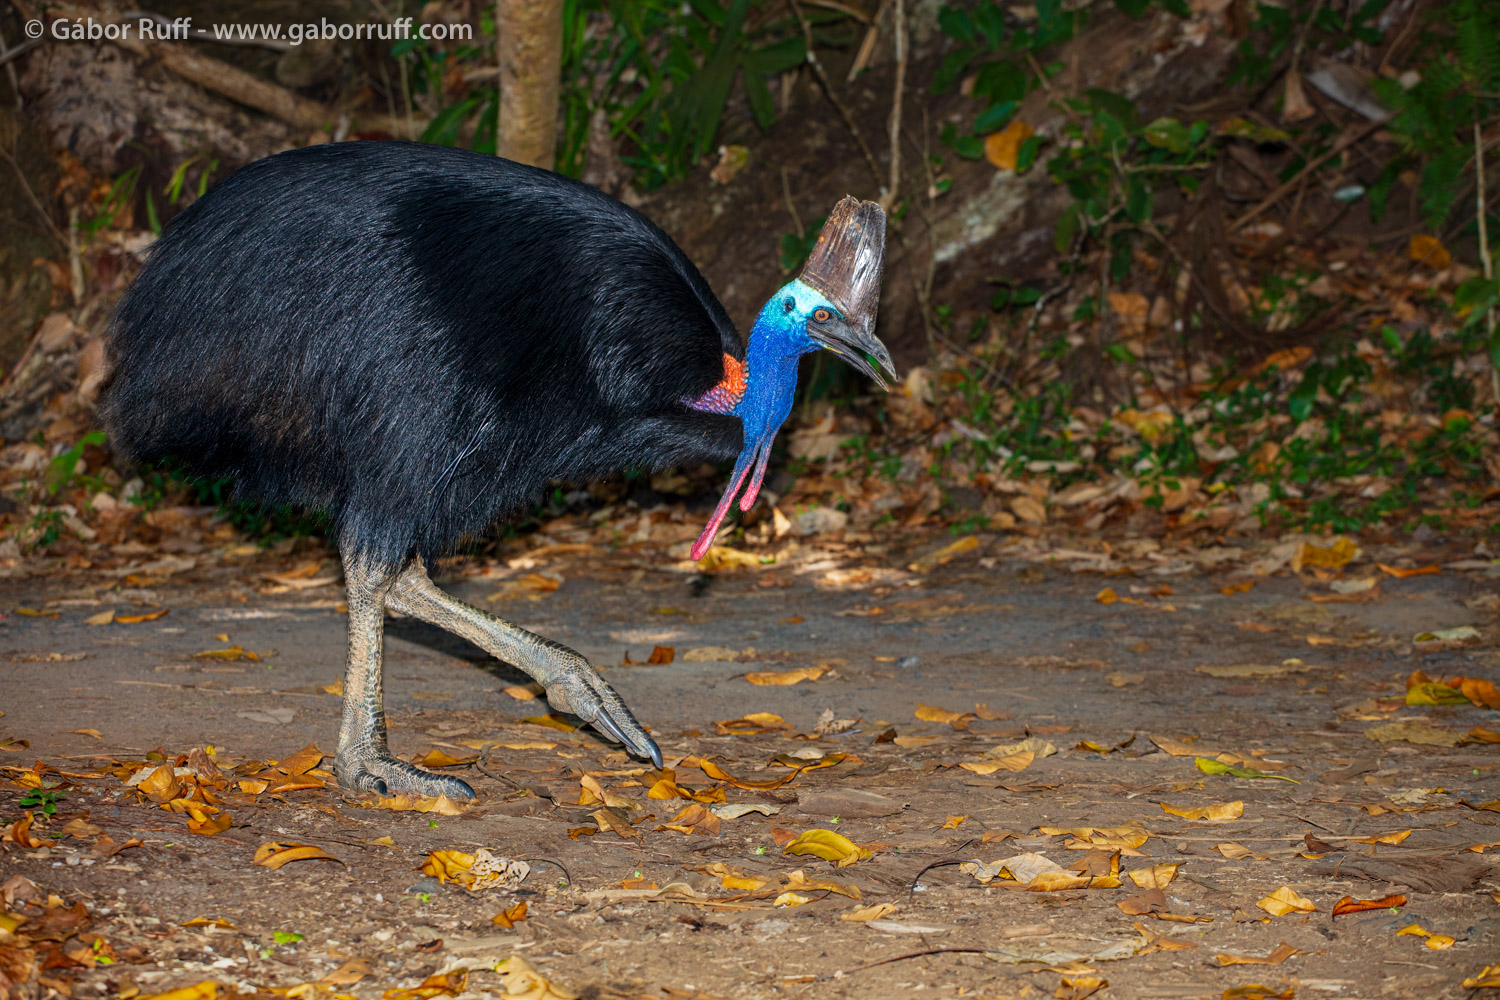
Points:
x=1127, y=689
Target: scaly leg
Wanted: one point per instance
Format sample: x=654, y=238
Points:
x=363, y=761
x=572, y=684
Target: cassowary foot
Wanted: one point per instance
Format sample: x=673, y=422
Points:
x=378, y=771
x=573, y=685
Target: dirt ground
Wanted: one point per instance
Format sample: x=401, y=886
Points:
x=1287, y=677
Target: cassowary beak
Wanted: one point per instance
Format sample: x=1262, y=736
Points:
x=845, y=266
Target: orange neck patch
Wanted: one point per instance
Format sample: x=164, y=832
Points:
x=725, y=396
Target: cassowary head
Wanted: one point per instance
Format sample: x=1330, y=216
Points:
x=830, y=305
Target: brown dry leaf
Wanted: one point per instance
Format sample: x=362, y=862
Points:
x=1286, y=900
x=522, y=982
x=873, y=912
x=1013, y=762
x=615, y=820
x=19, y=832
x=1418, y=731
x=102, y=618
x=1079, y=986
x=81, y=828
x=752, y=724
x=1402, y=573
x=1481, y=735
x=1255, y=991
x=441, y=758
x=209, y=826
x=273, y=854
x=1158, y=942
x=1217, y=811
x=785, y=677
x=523, y=692
x=1121, y=678
x=693, y=819
x=1029, y=509
x=475, y=872
x=718, y=773
x=336, y=688
x=443, y=984
x=1351, y=905
x=216, y=922
x=1155, y=877
x=1428, y=251
x=910, y=742
x=591, y=793
x=529, y=586
x=1282, y=952
x=230, y=653
x=1239, y=852
x=351, y=972
x=509, y=918
x=1003, y=148
x=798, y=881
x=88, y=732
x=1175, y=747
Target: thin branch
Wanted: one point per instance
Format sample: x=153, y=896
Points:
x=888, y=200
x=1338, y=147
x=914, y=954
x=786, y=193
x=833, y=97
x=35, y=203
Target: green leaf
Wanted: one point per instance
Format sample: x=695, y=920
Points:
x=1210, y=766
x=1168, y=133
x=1027, y=154
x=1067, y=228
x=995, y=117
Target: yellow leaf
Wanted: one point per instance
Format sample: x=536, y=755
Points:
x=206, y=990
x=829, y=846
x=933, y=560
x=791, y=899
x=523, y=692
x=552, y=721
x=1003, y=148
x=1488, y=978
x=102, y=618
x=1217, y=811
x=440, y=758
x=217, y=922
x=1155, y=877
x=723, y=557
x=873, y=912
x=952, y=822
x=273, y=854
x=149, y=616
x=1428, y=251
x=1336, y=555
x=231, y=653
x=785, y=677
x=1286, y=900
x=509, y=918
x=522, y=982
x=930, y=713
x=336, y=688
x=1437, y=942
x=480, y=870
x=798, y=881
x=445, y=984
x=1107, y=596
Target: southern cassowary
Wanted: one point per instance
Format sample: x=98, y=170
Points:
x=416, y=340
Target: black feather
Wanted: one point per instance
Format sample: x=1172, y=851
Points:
x=415, y=339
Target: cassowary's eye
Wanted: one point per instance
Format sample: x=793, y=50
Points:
x=789, y=305
x=822, y=315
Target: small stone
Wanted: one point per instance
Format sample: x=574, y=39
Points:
x=909, y=662
x=848, y=804
x=427, y=885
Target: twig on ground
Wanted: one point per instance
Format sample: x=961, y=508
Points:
x=786, y=193
x=833, y=97
x=867, y=46
x=551, y=861
x=917, y=878
x=902, y=958
x=491, y=774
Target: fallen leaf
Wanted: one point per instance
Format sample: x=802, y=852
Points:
x=798, y=881
x=476, y=872
x=1281, y=953
x=930, y=713
x=1174, y=747
x=1013, y=762
x=552, y=721
x=88, y=732
x=1155, y=877
x=1401, y=573
x=216, y=922
x=1351, y=905
x=1217, y=811
x=1461, y=633
x=1120, y=678
x=1210, y=766
x=1255, y=991
x=1034, y=745
x=1488, y=978
x=441, y=758
x=873, y=912
x=336, y=688
x=1286, y=900
x=443, y=984
x=523, y=692
x=1417, y=731
x=1336, y=555
x=1428, y=251
x=1437, y=942
x=733, y=878
x=785, y=677
x=791, y=899
x=149, y=616
x=829, y=846
x=1239, y=852
x=510, y=917
x=273, y=854
x=1003, y=148
x=1250, y=670
x=932, y=560
x=723, y=557
x=693, y=819
x=231, y=653
x=952, y=822
x=206, y=990
x=522, y=982
x=102, y=618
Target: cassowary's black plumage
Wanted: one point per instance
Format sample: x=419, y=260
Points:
x=415, y=339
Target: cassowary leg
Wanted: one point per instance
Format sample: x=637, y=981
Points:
x=572, y=684
x=363, y=761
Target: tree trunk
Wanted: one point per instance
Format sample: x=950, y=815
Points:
x=530, y=59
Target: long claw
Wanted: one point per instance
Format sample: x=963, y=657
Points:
x=638, y=743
